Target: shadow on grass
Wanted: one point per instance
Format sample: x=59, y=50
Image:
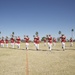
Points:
x=70, y=49
x=35, y=49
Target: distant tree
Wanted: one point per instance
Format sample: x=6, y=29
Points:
x=33, y=35
x=59, y=35
x=42, y=39
x=36, y=33
x=0, y=32
x=46, y=36
x=59, y=32
x=13, y=34
x=67, y=40
x=58, y=39
x=72, y=32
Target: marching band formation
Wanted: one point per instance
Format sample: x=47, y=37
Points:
x=48, y=40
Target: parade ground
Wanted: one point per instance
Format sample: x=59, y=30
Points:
x=42, y=62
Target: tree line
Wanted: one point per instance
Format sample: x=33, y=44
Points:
x=42, y=39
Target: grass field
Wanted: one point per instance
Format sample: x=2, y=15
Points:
x=42, y=62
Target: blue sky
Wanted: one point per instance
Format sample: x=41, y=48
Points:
x=25, y=17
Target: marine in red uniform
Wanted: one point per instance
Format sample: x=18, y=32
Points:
x=6, y=41
x=44, y=41
x=18, y=42
x=71, y=42
x=12, y=42
x=54, y=41
x=26, y=38
x=63, y=40
x=34, y=40
x=2, y=42
x=49, y=38
x=37, y=42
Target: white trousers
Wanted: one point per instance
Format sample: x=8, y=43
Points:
x=63, y=45
x=27, y=45
x=50, y=46
x=37, y=46
x=44, y=44
x=71, y=44
x=2, y=44
x=18, y=45
x=12, y=45
x=7, y=45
